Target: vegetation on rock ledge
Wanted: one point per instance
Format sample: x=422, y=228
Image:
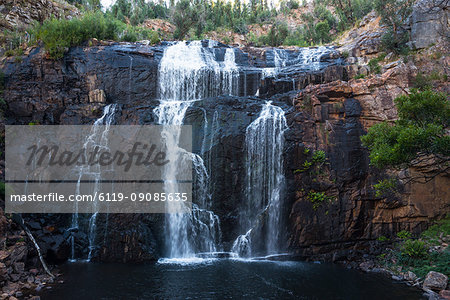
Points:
x=428, y=253
x=60, y=34
x=419, y=131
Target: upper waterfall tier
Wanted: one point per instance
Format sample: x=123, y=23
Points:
x=190, y=71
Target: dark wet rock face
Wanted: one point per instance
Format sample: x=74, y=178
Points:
x=331, y=118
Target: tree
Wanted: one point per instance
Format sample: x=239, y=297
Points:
x=323, y=31
x=184, y=17
x=419, y=132
x=121, y=9
x=394, y=13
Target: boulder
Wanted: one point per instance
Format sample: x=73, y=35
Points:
x=435, y=281
x=445, y=294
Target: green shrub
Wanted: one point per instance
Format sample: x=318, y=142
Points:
x=9, y=53
x=435, y=261
x=385, y=187
x=434, y=232
x=382, y=238
x=420, y=128
x=276, y=35
x=317, y=198
x=323, y=31
x=374, y=66
x=133, y=34
x=422, y=82
x=425, y=82
x=396, y=43
x=296, y=38
x=305, y=167
x=360, y=76
x=403, y=234
x=58, y=35
x=318, y=157
x=293, y=4
x=414, y=249
x=374, y=63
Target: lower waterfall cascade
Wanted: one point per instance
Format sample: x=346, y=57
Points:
x=264, y=141
x=98, y=137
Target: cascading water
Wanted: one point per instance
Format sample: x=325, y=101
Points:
x=304, y=59
x=190, y=72
x=264, y=180
x=98, y=137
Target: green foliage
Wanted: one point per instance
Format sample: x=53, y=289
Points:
x=414, y=249
x=382, y=238
x=359, y=76
x=415, y=255
x=394, y=14
x=374, y=63
x=276, y=35
x=296, y=38
x=318, y=157
x=423, y=117
x=385, y=187
x=184, y=18
x=345, y=54
x=133, y=34
x=60, y=34
x=425, y=82
x=317, y=160
x=293, y=4
x=403, y=234
x=323, y=31
x=436, y=231
x=2, y=190
x=395, y=42
x=422, y=82
x=435, y=261
x=318, y=198
x=374, y=66
x=198, y=15
x=305, y=167
x=350, y=11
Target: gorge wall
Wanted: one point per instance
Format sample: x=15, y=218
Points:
x=325, y=110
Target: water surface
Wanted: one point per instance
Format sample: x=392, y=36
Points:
x=224, y=279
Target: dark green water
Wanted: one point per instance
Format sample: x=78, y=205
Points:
x=224, y=279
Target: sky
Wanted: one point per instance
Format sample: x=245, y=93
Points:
x=107, y=3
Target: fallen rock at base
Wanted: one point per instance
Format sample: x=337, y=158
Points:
x=435, y=281
x=445, y=294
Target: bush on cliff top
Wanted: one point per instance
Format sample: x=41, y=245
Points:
x=420, y=129
x=60, y=34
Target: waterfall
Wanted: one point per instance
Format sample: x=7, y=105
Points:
x=97, y=137
x=130, y=71
x=264, y=181
x=190, y=72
